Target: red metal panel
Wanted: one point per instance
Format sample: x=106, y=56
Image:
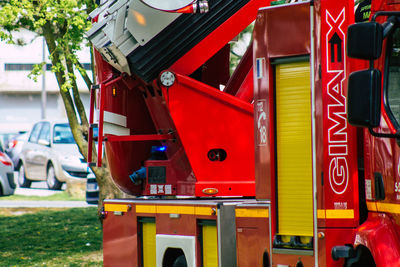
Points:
x=296, y=28
x=208, y=119
x=384, y=5
x=327, y=110
x=270, y=43
x=147, y=115
x=126, y=157
x=252, y=240
x=263, y=113
x=184, y=225
x=216, y=70
x=242, y=70
x=145, y=110
x=193, y=59
x=103, y=69
x=179, y=172
x=291, y=260
x=143, y=137
x=319, y=110
x=246, y=91
x=380, y=235
x=382, y=156
x=120, y=240
x=179, y=177
x=119, y=156
x=328, y=238
x=340, y=153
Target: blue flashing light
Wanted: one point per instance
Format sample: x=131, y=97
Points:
x=162, y=148
x=158, y=149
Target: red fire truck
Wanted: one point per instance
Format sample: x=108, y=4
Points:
x=295, y=162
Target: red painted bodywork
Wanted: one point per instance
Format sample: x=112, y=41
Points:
x=341, y=150
x=252, y=241
x=208, y=119
x=120, y=239
x=333, y=237
x=199, y=117
x=214, y=125
x=122, y=231
x=380, y=234
x=124, y=158
x=241, y=82
x=340, y=171
x=270, y=44
x=218, y=38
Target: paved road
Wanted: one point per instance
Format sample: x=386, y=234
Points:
x=37, y=189
x=40, y=189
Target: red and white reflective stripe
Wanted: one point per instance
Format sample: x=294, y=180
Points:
x=5, y=159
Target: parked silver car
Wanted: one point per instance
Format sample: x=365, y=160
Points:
x=51, y=155
x=7, y=184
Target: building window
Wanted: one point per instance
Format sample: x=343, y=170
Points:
x=18, y=67
x=29, y=66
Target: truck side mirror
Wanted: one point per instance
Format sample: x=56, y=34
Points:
x=364, y=40
x=364, y=98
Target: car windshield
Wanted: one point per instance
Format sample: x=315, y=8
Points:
x=62, y=134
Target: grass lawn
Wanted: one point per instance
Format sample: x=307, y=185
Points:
x=62, y=196
x=50, y=237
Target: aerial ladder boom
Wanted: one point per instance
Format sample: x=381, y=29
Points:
x=188, y=137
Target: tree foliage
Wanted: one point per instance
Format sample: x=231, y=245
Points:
x=62, y=23
x=239, y=47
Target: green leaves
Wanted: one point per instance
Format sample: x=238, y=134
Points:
x=36, y=71
x=66, y=19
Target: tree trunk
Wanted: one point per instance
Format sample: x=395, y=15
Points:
x=107, y=188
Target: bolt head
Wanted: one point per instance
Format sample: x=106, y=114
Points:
x=167, y=78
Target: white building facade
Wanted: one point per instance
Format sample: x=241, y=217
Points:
x=21, y=97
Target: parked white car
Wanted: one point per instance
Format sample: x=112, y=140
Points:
x=51, y=155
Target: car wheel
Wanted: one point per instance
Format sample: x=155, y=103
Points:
x=52, y=181
x=22, y=180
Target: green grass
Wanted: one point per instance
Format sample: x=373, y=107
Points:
x=70, y=237
x=62, y=195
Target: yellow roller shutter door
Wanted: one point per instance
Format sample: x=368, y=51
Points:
x=149, y=244
x=210, y=246
x=294, y=152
